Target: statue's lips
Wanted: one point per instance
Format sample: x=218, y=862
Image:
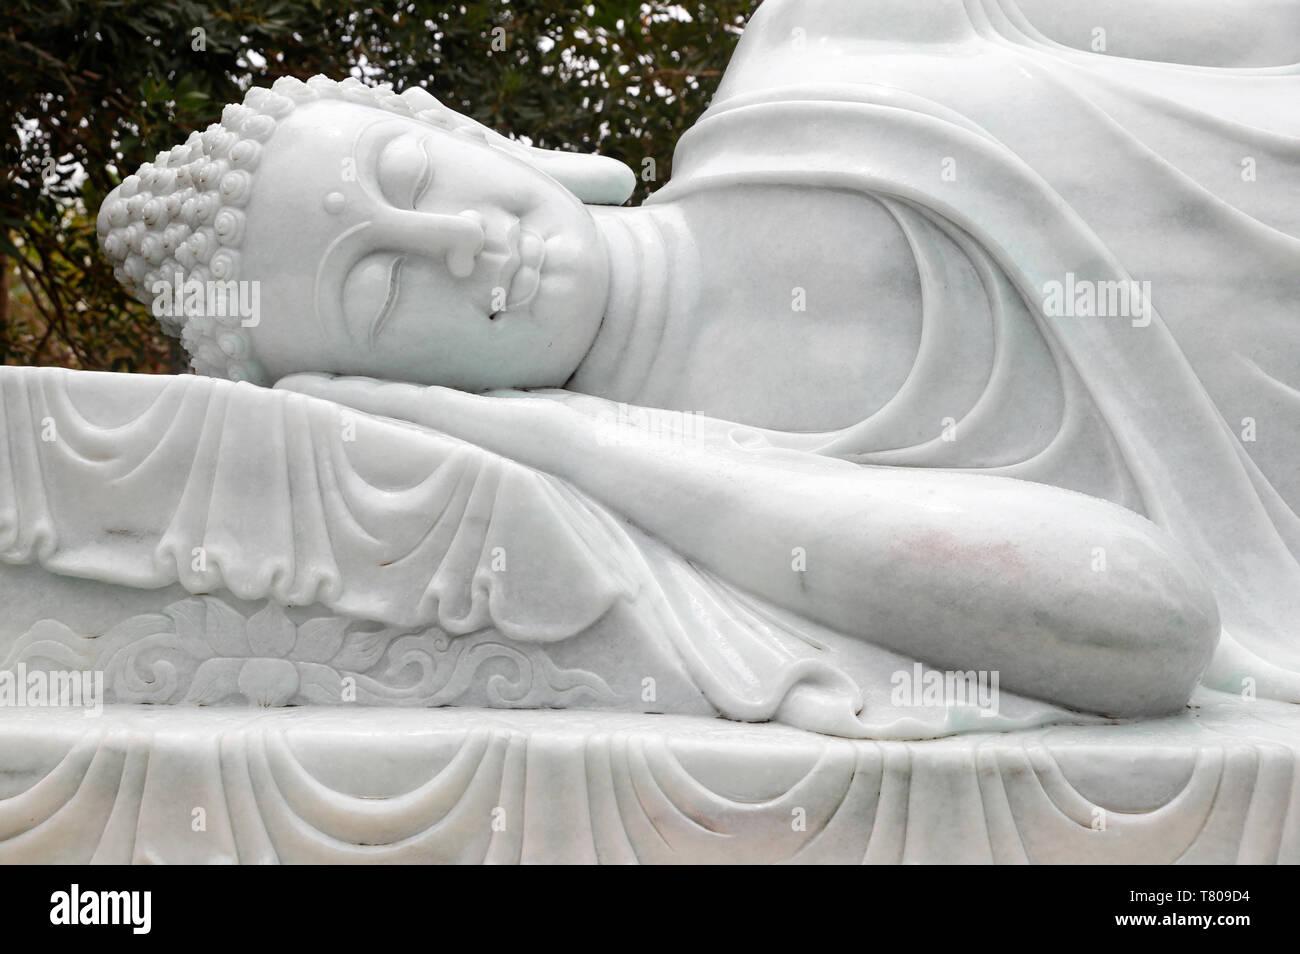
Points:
x=522, y=275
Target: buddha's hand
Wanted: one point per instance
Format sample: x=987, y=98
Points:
x=511, y=423
x=587, y=419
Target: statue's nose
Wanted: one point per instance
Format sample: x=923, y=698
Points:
x=467, y=243
x=457, y=237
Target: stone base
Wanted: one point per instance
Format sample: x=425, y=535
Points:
x=176, y=784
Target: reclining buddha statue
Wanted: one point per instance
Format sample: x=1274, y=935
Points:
x=953, y=342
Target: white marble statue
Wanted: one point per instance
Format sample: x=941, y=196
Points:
x=951, y=342
x=948, y=388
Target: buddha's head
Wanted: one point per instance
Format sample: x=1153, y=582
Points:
x=387, y=236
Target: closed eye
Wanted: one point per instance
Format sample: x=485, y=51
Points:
x=390, y=301
x=425, y=177
x=404, y=170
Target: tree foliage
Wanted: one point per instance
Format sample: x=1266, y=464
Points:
x=95, y=88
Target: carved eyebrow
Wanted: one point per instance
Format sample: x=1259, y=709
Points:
x=394, y=288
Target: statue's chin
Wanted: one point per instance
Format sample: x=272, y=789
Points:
x=554, y=330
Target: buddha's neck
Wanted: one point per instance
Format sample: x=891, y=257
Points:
x=628, y=340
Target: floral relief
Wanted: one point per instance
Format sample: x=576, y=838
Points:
x=202, y=651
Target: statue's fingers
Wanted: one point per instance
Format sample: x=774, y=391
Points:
x=304, y=383
x=369, y=395
x=584, y=403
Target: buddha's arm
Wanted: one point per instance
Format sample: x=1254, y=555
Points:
x=1071, y=598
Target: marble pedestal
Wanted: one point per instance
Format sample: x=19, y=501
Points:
x=1216, y=784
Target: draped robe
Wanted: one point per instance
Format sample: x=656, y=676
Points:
x=1012, y=161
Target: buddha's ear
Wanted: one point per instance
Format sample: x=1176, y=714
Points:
x=596, y=180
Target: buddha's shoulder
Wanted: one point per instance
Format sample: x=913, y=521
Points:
x=806, y=221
